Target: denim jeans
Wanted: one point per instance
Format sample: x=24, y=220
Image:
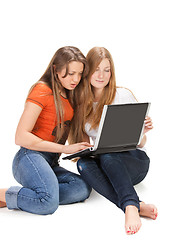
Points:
x=114, y=174
x=45, y=184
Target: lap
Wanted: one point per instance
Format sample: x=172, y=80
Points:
x=136, y=162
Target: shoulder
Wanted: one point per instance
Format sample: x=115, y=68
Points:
x=41, y=87
x=39, y=94
x=124, y=95
x=124, y=91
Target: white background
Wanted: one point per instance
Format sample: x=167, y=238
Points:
x=141, y=36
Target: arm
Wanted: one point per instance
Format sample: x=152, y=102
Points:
x=148, y=127
x=143, y=142
x=26, y=139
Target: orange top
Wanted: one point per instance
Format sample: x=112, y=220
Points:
x=45, y=126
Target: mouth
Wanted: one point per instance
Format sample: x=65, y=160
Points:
x=73, y=85
x=99, y=81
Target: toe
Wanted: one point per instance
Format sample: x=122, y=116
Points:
x=128, y=230
x=138, y=227
x=155, y=213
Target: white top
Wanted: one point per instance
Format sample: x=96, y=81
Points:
x=123, y=95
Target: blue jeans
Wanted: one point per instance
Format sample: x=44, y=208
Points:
x=114, y=174
x=45, y=184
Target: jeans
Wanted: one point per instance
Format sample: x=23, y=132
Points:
x=114, y=174
x=45, y=184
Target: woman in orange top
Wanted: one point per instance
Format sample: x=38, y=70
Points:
x=42, y=132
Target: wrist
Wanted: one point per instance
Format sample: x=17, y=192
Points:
x=143, y=141
x=61, y=148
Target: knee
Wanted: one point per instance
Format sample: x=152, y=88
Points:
x=49, y=203
x=77, y=190
x=84, y=189
x=81, y=165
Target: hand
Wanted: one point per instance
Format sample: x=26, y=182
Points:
x=69, y=149
x=148, y=124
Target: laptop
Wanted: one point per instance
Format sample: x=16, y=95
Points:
x=120, y=129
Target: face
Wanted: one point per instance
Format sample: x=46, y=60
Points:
x=100, y=78
x=75, y=70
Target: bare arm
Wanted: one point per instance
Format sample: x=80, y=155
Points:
x=147, y=128
x=143, y=142
x=26, y=139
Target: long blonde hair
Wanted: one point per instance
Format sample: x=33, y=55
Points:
x=86, y=110
x=61, y=59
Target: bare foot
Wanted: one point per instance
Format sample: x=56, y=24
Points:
x=2, y=197
x=148, y=210
x=2, y=204
x=132, y=220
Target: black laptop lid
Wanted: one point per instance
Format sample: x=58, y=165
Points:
x=123, y=125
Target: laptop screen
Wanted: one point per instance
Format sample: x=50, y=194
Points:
x=122, y=124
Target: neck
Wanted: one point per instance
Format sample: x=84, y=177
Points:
x=63, y=93
x=97, y=94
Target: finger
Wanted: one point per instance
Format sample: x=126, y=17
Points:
x=148, y=120
x=84, y=147
x=149, y=127
x=86, y=144
x=148, y=124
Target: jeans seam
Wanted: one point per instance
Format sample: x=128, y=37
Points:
x=37, y=171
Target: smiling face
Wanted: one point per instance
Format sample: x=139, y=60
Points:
x=75, y=70
x=100, y=78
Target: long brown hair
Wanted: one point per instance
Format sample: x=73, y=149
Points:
x=86, y=111
x=61, y=59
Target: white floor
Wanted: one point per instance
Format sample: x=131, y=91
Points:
x=141, y=38
x=97, y=217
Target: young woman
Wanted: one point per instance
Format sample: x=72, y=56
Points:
x=42, y=132
x=113, y=174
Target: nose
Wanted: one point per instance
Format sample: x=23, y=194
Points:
x=76, y=78
x=100, y=75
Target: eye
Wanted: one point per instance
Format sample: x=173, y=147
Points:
x=70, y=73
x=107, y=70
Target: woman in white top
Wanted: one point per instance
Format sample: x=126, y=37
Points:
x=113, y=174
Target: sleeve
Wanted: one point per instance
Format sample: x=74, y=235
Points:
x=39, y=95
x=130, y=96
x=126, y=95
